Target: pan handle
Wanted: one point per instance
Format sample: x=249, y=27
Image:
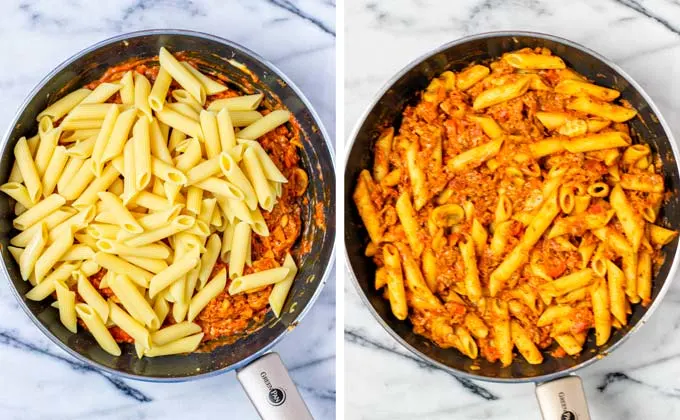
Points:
x=272, y=391
x=563, y=399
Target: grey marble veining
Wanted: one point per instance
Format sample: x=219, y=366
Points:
x=40, y=381
x=382, y=379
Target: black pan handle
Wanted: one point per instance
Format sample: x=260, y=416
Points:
x=272, y=391
x=563, y=399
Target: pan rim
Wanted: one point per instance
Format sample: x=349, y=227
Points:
x=317, y=121
x=388, y=85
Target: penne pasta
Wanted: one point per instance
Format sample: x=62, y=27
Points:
x=264, y=125
x=130, y=325
x=183, y=345
x=174, y=272
x=607, y=111
x=64, y=105
x=534, y=61
x=182, y=75
x=256, y=280
x=91, y=296
x=213, y=288
x=238, y=103
x=132, y=300
x=97, y=328
x=67, y=306
x=159, y=91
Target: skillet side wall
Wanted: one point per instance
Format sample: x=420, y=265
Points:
x=387, y=112
x=316, y=159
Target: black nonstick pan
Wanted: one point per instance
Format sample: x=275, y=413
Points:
x=560, y=393
x=273, y=394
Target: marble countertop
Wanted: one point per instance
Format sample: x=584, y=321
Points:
x=383, y=380
x=40, y=381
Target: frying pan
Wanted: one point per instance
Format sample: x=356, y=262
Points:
x=559, y=392
x=263, y=377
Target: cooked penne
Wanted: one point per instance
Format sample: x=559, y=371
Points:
x=500, y=94
x=180, y=122
x=64, y=105
x=472, y=285
x=183, y=345
x=225, y=128
x=52, y=254
x=569, y=344
x=644, y=277
x=240, y=243
x=631, y=221
x=132, y=300
x=213, y=288
x=171, y=274
x=211, y=86
x=517, y=256
x=502, y=336
x=182, y=75
x=45, y=288
x=212, y=142
x=141, y=154
x=97, y=328
x=28, y=170
x=130, y=325
x=406, y=216
x=116, y=140
x=91, y=296
x=660, y=235
x=176, y=225
x=395, y=282
x=522, y=340
x=532, y=61
x=474, y=157
x=239, y=103
x=580, y=88
x=90, y=194
x=159, y=91
x=256, y=280
x=255, y=173
x=142, y=92
x=67, y=306
x=209, y=258
x=280, y=291
x=18, y=192
x=174, y=332
x=471, y=76
x=599, y=295
x=264, y=125
x=127, y=89
x=120, y=266
x=607, y=111
x=235, y=175
x=599, y=141
x=101, y=93
x=33, y=251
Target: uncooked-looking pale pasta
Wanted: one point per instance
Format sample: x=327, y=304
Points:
x=527, y=216
x=128, y=199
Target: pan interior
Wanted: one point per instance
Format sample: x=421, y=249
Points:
x=316, y=160
x=387, y=112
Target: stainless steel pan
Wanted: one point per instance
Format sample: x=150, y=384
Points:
x=262, y=374
x=560, y=393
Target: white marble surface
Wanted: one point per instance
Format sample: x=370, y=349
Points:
x=383, y=381
x=40, y=381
